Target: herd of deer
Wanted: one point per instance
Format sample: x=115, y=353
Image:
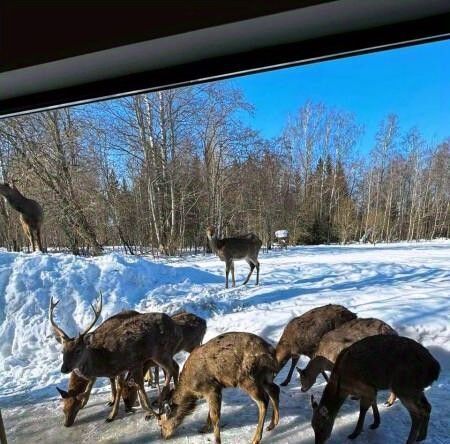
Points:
x=363, y=356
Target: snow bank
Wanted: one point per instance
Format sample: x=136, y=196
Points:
x=405, y=284
x=29, y=354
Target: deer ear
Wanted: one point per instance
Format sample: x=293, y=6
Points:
x=87, y=340
x=63, y=393
x=324, y=412
x=314, y=404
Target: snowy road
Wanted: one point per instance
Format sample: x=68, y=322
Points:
x=407, y=285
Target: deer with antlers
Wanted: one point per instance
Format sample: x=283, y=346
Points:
x=231, y=248
x=115, y=350
x=31, y=213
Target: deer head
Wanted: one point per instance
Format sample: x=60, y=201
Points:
x=321, y=422
x=210, y=231
x=306, y=381
x=72, y=403
x=74, y=349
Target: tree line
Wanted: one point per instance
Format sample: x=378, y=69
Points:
x=152, y=171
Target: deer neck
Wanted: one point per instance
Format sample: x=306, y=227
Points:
x=185, y=405
x=332, y=398
x=15, y=199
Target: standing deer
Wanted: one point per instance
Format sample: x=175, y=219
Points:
x=115, y=351
x=241, y=360
x=193, y=329
x=231, y=248
x=378, y=363
x=31, y=213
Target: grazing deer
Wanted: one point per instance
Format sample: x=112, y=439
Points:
x=378, y=363
x=31, y=213
x=121, y=345
x=233, y=359
x=302, y=334
x=231, y=248
x=78, y=392
x=333, y=342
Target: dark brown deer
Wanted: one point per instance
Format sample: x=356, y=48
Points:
x=233, y=359
x=333, y=342
x=230, y=249
x=375, y=363
x=193, y=330
x=302, y=334
x=31, y=214
x=115, y=351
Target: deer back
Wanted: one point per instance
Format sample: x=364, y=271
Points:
x=334, y=341
x=302, y=334
x=387, y=362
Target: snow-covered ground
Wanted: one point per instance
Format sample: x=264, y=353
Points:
x=407, y=285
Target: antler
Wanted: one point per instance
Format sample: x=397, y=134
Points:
x=97, y=312
x=60, y=333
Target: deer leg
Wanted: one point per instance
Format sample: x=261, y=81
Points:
x=364, y=405
x=208, y=426
x=110, y=403
x=426, y=411
x=261, y=399
x=26, y=229
x=232, y=274
x=39, y=239
x=119, y=382
x=376, y=416
x=252, y=267
x=227, y=271
x=215, y=402
x=257, y=272
x=390, y=401
x=88, y=392
x=171, y=369
x=274, y=394
x=414, y=409
x=295, y=359
x=148, y=378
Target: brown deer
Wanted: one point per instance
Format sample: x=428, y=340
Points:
x=302, y=334
x=333, y=342
x=31, y=213
x=233, y=359
x=120, y=346
x=378, y=363
x=193, y=330
x=78, y=392
x=231, y=248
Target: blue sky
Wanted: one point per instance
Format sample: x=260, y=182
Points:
x=412, y=82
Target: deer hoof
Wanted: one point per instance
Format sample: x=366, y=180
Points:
x=270, y=427
x=109, y=419
x=374, y=426
x=284, y=384
x=110, y=403
x=353, y=435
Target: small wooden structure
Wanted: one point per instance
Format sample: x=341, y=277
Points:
x=282, y=237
